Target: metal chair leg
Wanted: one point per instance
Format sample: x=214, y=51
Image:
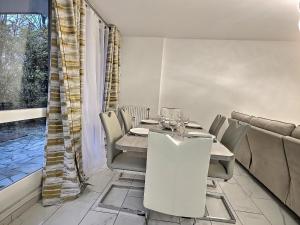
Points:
x=232, y=218
x=213, y=185
x=129, y=179
x=147, y=216
x=116, y=208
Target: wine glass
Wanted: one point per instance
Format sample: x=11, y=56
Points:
x=185, y=120
x=162, y=121
x=173, y=125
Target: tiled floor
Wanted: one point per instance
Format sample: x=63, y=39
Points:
x=21, y=156
x=252, y=205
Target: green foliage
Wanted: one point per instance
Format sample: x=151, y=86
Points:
x=23, y=61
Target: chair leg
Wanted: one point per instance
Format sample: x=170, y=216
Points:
x=129, y=179
x=147, y=216
x=213, y=185
x=232, y=218
x=194, y=221
x=116, y=208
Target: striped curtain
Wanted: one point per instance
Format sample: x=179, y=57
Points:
x=63, y=176
x=112, y=75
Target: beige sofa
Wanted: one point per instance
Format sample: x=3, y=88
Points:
x=271, y=152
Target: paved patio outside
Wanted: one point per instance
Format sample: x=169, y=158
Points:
x=23, y=153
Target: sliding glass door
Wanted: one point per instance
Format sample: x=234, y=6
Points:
x=24, y=66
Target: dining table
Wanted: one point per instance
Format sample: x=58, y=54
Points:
x=137, y=143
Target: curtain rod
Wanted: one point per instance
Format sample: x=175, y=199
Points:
x=95, y=11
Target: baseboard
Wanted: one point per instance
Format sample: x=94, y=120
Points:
x=20, y=207
x=18, y=197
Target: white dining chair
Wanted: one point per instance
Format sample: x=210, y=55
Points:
x=117, y=159
x=231, y=140
x=176, y=175
x=217, y=124
x=127, y=120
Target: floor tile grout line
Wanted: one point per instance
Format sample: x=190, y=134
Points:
x=249, y=177
x=254, y=202
x=59, y=206
x=262, y=212
x=268, y=192
x=122, y=203
x=99, y=194
x=235, y=212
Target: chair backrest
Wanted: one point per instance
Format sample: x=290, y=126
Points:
x=214, y=124
x=217, y=124
x=113, y=133
x=233, y=121
x=233, y=135
x=137, y=112
x=127, y=120
x=176, y=175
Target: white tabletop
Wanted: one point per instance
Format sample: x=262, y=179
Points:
x=136, y=143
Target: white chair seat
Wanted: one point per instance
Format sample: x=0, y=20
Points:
x=129, y=161
x=217, y=170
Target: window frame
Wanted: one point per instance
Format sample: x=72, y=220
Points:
x=28, y=188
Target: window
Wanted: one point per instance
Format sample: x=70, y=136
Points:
x=24, y=60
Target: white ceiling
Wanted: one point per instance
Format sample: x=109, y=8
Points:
x=211, y=19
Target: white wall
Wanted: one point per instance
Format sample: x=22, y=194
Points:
x=141, y=71
x=207, y=77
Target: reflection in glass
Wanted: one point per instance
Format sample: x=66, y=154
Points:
x=23, y=61
x=21, y=149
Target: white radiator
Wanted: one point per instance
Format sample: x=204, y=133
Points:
x=137, y=112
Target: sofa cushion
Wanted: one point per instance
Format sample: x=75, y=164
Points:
x=273, y=125
x=292, y=150
x=243, y=153
x=269, y=163
x=241, y=116
x=296, y=132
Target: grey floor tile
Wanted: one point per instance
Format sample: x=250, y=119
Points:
x=216, y=189
x=252, y=219
x=275, y=213
x=98, y=218
x=252, y=187
x=185, y=221
x=216, y=208
x=136, y=193
x=251, y=205
x=74, y=211
x=157, y=222
x=133, y=203
x=203, y=222
x=127, y=176
x=36, y=215
x=239, y=170
x=129, y=219
x=99, y=181
x=116, y=197
x=239, y=200
x=163, y=217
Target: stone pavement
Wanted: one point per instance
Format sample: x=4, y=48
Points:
x=22, y=156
